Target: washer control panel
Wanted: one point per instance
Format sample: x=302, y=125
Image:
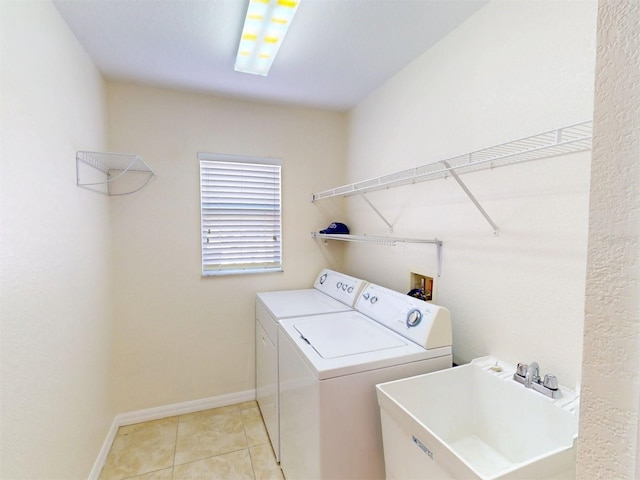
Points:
x=424, y=323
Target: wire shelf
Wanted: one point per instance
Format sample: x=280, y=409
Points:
x=562, y=141
x=387, y=241
x=384, y=241
x=112, y=173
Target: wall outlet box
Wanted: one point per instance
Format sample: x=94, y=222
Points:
x=421, y=286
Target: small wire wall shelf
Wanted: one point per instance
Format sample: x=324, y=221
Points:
x=112, y=173
x=561, y=141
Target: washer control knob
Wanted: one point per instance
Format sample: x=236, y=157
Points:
x=366, y=295
x=350, y=289
x=373, y=300
x=413, y=318
x=338, y=285
x=323, y=278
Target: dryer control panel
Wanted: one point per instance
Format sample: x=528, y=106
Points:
x=423, y=323
x=337, y=285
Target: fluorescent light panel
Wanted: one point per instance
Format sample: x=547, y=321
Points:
x=264, y=30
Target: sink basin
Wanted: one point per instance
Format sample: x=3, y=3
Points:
x=471, y=422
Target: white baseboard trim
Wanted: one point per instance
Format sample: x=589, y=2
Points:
x=183, y=408
x=156, y=413
x=104, y=451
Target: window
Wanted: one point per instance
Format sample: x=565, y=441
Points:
x=241, y=215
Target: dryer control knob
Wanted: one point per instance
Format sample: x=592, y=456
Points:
x=413, y=318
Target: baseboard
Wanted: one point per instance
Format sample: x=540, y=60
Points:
x=183, y=408
x=104, y=451
x=156, y=413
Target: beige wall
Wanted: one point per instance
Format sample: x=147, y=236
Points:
x=513, y=69
x=55, y=255
x=180, y=336
x=609, y=417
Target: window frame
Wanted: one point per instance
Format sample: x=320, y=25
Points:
x=246, y=266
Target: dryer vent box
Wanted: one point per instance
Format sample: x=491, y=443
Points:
x=422, y=287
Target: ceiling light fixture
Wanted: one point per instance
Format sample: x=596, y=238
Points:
x=264, y=29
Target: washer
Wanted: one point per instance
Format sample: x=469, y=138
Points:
x=329, y=366
x=331, y=292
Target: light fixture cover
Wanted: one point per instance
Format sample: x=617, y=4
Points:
x=265, y=27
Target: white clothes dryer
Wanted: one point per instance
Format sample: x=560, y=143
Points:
x=329, y=366
x=332, y=292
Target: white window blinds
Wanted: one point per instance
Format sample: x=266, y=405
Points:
x=241, y=215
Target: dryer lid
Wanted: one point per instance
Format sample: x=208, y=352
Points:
x=346, y=334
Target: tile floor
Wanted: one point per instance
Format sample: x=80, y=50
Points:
x=221, y=443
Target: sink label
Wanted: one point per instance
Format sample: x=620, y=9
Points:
x=423, y=447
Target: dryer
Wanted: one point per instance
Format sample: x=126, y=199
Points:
x=332, y=292
x=329, y=366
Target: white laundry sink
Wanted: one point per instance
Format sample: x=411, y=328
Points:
x=470, y=422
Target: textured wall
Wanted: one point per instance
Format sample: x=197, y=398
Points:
x=513, y=69
x=180, y=336
x=55, y=256
x=611, y=365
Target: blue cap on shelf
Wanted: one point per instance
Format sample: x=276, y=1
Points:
x=336, y=227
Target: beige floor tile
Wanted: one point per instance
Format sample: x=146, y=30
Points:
x=142, y=451
x=254, y=426
x=169, y=421
x=205, y=414
x=159, y=475
x=264, y=463
x=230, y=466
x=215, y=434
x=226, y=443
x=245, y=405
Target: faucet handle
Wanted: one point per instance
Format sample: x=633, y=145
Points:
x=550, y=382
x=522, y=369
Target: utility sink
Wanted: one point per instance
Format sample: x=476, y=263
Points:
x=475, y=422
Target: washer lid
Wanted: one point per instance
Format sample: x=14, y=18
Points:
x=338, y=336
x=299, y=303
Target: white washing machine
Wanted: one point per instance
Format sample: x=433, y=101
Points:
x=331, y=292
x=329, y=366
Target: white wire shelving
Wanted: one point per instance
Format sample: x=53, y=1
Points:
x=572, y=139
x=385, y=241
x=562, y=141
x=112, y=173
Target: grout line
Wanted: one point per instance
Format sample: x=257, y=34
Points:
x=175, y=446
x=246, y=439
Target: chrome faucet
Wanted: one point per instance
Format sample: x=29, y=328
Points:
x=533, y=375
x=529, y=376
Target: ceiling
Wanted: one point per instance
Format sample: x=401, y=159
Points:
x=335, y=54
